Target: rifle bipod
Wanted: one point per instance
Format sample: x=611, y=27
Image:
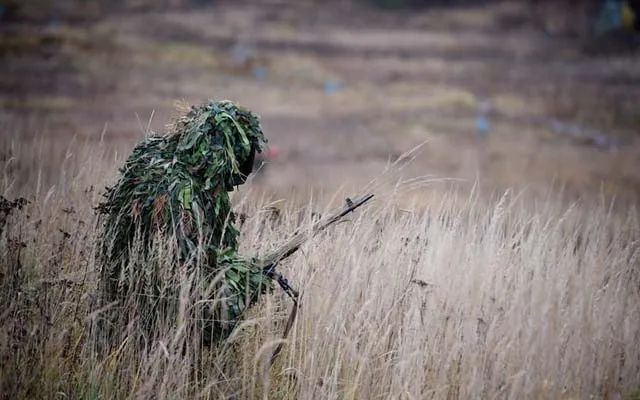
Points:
x=271, y=272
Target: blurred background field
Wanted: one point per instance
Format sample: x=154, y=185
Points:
x=506, y=94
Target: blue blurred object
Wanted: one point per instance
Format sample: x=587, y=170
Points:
x=567, y=129
x=610, y=16
x=260, y=73
x=600, y=140
x=483, y=121
x=55, y=20
x=483, y=126
x=242, y=53
x=55, y=23
x=331, y=87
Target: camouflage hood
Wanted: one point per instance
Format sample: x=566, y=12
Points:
x=218, y=142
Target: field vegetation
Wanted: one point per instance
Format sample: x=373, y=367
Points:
x=451, y=298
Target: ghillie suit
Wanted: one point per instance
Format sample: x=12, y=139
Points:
x=175, y=187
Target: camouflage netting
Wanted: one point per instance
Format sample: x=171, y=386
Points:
x=176, y=186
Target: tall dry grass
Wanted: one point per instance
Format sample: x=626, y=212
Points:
x=458, y=299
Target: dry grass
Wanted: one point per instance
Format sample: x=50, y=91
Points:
x=457, y=300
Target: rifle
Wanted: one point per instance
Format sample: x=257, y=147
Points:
x=270, y=262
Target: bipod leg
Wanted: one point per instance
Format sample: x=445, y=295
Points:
x=294, y=295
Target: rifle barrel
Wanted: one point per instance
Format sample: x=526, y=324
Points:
x=297, y=240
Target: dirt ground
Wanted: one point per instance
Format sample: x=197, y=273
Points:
x=344, y=90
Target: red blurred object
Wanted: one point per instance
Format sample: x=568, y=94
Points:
x=272, y=153
x=262, y=160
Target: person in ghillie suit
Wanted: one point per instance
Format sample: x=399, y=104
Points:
x=176, y=187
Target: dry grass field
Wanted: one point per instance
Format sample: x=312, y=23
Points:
x=498, y=267
x=460, y=299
